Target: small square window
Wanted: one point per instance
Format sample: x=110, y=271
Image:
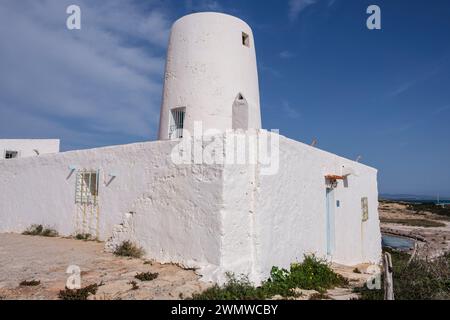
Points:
x=11, y=154
x=245, y=39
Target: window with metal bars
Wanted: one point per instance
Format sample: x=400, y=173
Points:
x=176, y=124
x=86, y=189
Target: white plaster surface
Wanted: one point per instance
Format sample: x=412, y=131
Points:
x=215, y=217
x=29, y=147
x=207, y=67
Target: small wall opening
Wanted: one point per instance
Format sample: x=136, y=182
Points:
x=245, y=39
x=176, y=123
x=240, y=113
x=9, y=154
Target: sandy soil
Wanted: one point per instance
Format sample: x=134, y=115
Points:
x=432, y=241
x=47, y=259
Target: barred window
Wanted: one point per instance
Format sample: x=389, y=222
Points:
x=86, y=189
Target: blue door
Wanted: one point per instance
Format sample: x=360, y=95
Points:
x=330, y=221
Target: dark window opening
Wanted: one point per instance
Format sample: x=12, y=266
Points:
x=176, y=125
x=245, y=39
x=11, y=154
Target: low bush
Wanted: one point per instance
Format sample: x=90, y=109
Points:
x=418, y=280
x=84, y=236
x=79, y=294
x=31, y=283
x=134, y=285
x=146, y=276
x=234, y=289
x=128, y=249
x=39, y=230
x=311, y=274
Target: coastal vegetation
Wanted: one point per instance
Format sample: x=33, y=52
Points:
x=311, y=274
x=417, y=279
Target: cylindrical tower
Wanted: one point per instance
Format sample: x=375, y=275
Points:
x=211, y=76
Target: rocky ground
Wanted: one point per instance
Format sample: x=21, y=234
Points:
x=431, y=230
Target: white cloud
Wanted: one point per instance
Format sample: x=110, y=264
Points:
x=286, y=54
x=289, y=111
x=297, y=6
x=203, y=5
x=93, y=84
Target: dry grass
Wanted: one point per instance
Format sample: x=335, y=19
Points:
x=414, y=222
x=128, y=249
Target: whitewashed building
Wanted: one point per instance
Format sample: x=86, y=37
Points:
x=194, y=197
x=21, y=148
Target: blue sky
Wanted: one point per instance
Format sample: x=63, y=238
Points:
x=383, y=94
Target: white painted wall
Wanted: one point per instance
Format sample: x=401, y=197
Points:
x=274, y=220
x=29, y=147
x=172, y=211
x=216, y=217
x=290, y=218
x=207, y=67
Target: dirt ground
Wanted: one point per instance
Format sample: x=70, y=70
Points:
x=47, y=259
x=433, y=241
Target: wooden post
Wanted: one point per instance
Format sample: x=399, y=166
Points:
x=388, y=280
x=413, y=255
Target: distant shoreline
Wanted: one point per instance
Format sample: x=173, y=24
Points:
x=416, y=201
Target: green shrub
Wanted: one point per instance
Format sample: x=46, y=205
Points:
x=47, y=232
x=39, y=230
x=31, y=283
x=234, y=289
x=79, y=294
x=84, y=236
x=34, y=230
x=128, y=249
x=146, y=276
x=419, y=280
x=311, y=274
